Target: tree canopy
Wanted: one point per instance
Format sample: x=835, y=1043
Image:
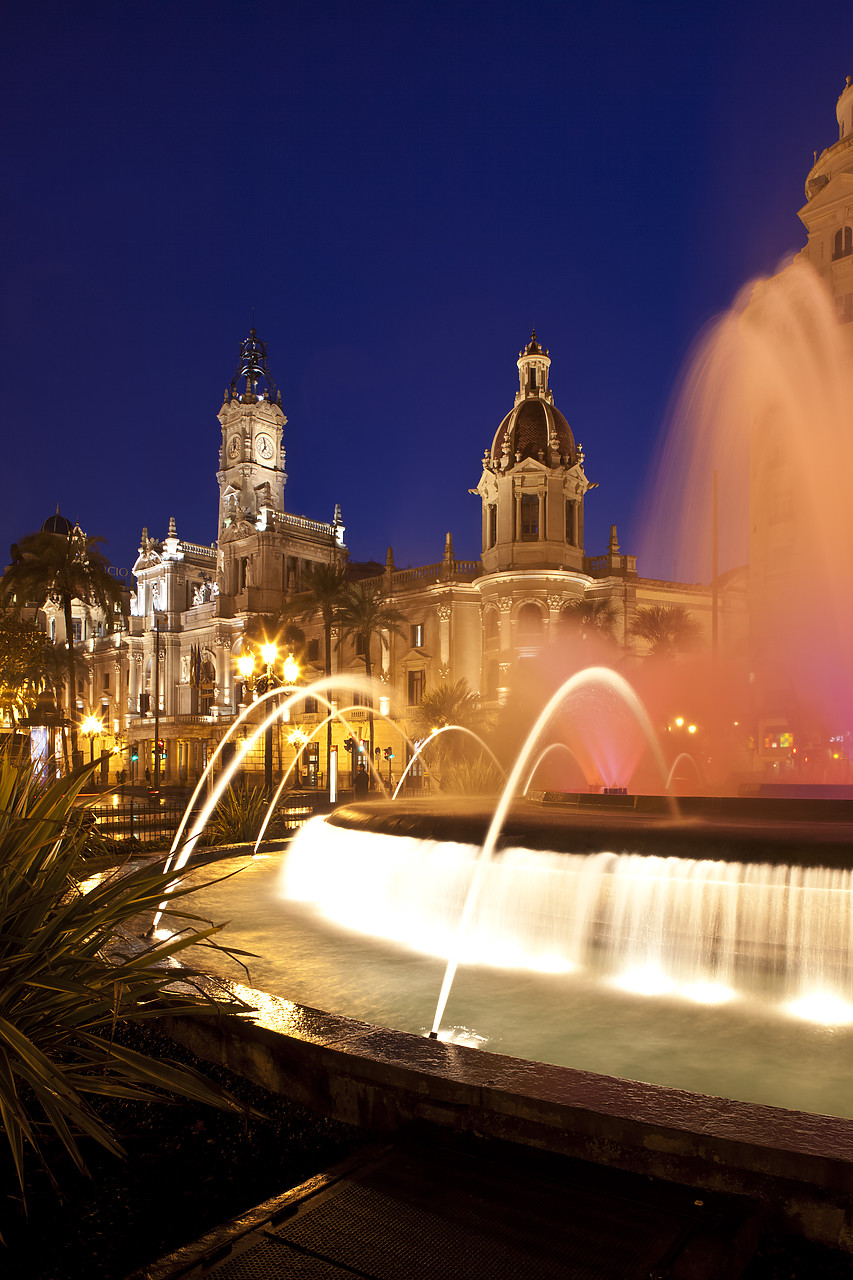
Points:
x=62, y=568
x=668, y=629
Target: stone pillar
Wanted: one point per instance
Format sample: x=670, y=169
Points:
x=541, y=514
x=121, y=709
x=505, y=606
x=136, y=681
x=444, y=612
x=223, y=692
x=385, y=654
x=555, y=604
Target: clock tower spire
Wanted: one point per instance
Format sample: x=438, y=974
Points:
x=251, y=462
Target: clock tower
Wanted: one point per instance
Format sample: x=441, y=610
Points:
x=251, y=461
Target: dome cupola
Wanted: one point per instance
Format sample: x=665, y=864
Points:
x=534, y=428
x=533, y=481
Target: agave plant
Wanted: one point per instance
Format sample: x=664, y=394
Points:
x=238, y=816
x=70, y=974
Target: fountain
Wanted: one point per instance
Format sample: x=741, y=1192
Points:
x=766, y=409
x=671, y=991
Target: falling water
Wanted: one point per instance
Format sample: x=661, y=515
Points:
x=698, y=929
x=593, y=678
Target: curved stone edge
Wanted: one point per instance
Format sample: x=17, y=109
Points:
x=741, y=832
x=798, y=1166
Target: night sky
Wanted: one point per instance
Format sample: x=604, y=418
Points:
x=400, y=191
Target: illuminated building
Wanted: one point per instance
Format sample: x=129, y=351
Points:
x=477, y=620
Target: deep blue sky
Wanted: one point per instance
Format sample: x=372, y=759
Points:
x=400, y=190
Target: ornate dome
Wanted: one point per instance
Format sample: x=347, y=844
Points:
x=57, y=524
x=528, y=430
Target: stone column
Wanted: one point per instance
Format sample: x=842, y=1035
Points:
x=121, y=710
x=444, y=612
x=223, y=691
x=555, y=604
x=135, y=683
x=505, y=606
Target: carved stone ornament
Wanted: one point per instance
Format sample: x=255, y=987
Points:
x=505, y=603
x=444, y=611
x=242, y=526
x=555, y=603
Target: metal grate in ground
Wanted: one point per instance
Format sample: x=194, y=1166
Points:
x=435, y=1214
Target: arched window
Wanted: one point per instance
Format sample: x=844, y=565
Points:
x=206, y=687
x=530, y=624
x=843, y=242
x=491, y=627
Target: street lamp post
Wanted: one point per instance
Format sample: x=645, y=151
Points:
x=290, y=671
x=246, y=666
x=269, y=653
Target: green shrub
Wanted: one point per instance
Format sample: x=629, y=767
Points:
x=71, y=972
x=472, y=778
x=238, y=817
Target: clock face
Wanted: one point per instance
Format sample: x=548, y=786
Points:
x=234, y=446
x=265, y=447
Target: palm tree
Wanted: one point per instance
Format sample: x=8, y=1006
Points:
x=324, y=590
x=24, y=660
x=449, y=704
x=62, y=568
x=668, y=629
x=590, y=617
x=363, y=613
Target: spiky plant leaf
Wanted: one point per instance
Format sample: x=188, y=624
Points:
x=71, y=973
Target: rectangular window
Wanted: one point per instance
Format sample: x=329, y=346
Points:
x=360, y=647
x=493, y=524
x=313, y=650
x=77, y=629
x=106, y=684
x=415, y=688
x=529, y=517
x=310, y=706
x=417, y=635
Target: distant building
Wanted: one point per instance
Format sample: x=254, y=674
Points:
x=480, y=621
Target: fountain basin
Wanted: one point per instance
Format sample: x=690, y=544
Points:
x=798, y=1163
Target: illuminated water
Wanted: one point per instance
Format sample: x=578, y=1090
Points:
x=645, y=968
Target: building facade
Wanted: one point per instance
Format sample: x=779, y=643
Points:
x=172, y=676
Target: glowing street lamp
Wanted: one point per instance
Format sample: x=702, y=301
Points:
x=269, y=653
x=90, y=726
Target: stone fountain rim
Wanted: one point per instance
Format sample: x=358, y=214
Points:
x=799, y=1165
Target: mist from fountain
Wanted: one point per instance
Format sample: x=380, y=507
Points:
x=766, y=406
x=437, y=733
